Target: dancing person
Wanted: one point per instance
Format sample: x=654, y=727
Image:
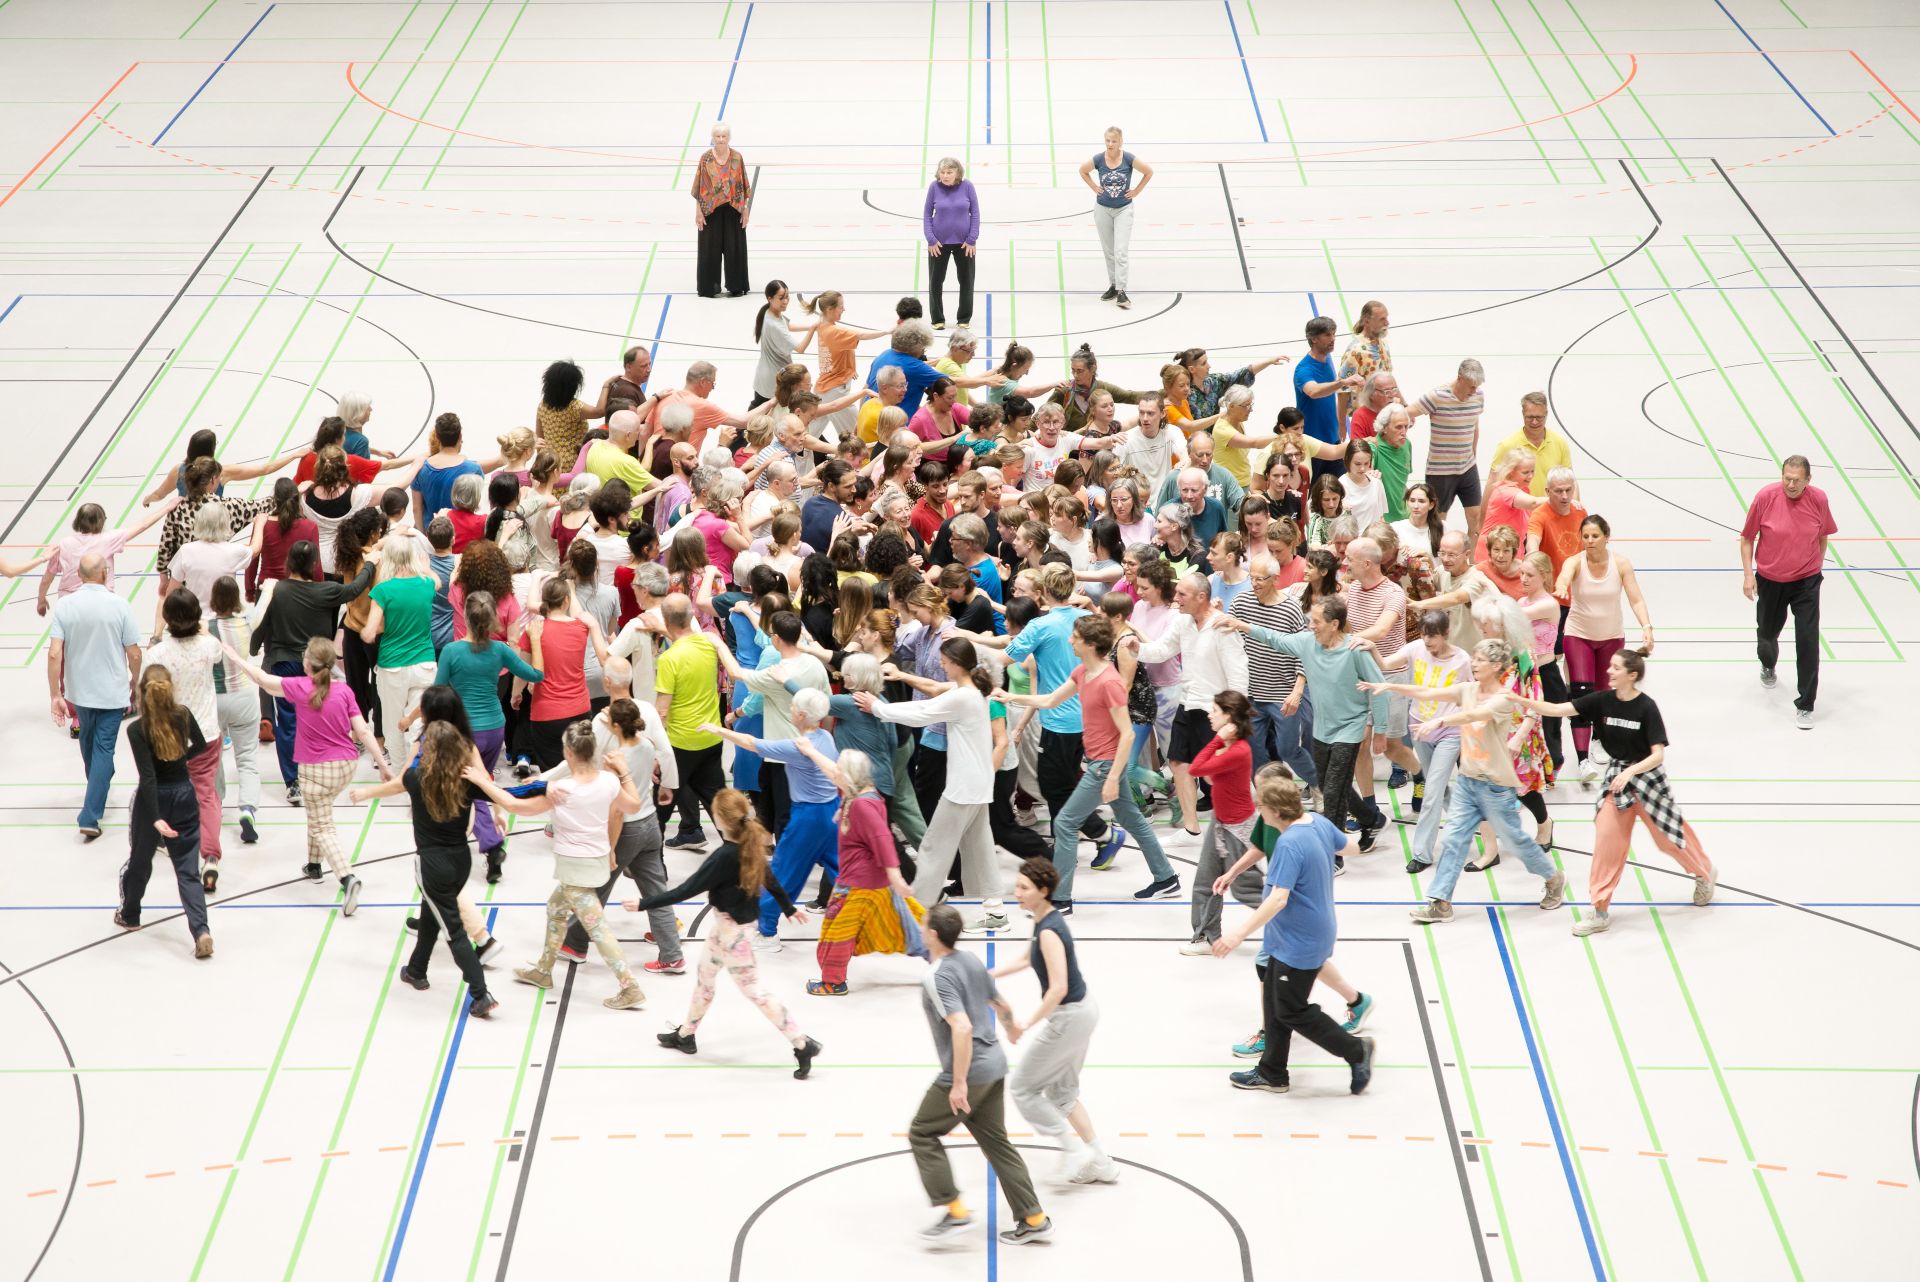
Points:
x=163, y=738
x=722, y=203
x=1369, y=358
x=1783, y=545
x=191, y=655
x=1110, y=176
x=582, y=806
x=1046, y=1085
x=327, y=737
x=196, y=565
x=774, y=334
x=950, y=224
x=1485, y=786
x=237, y=703
x=732, y=878
x=1315, y=386
x=564, y=635
x=472, y=668
x=89, y=534
x=93, y=654
x=1212, y=659
x=958, y=998
x=1510, y=498
x=1636, y=787
x=1226, y=761
x=442, y=802
x=401, y=620
x=1435, y=663
x=1453, y=442
x=869, y=893
x=1592, y=584
x=1548, y=449
x=304, y=605
x=1297, y=926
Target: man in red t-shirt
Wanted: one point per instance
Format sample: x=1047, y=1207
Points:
x=1105, y=728
x=932, y=511
x=1782, y=547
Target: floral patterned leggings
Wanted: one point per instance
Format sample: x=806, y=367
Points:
x=730, y=944
x=566, y=903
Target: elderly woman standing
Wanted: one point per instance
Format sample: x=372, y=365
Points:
x=950, y=222
x=722, y=199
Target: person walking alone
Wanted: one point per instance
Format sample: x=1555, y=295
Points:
x=722, y=200
x=950, y=223
x=92, y=655
x=1782, y=547
x=1110, y=174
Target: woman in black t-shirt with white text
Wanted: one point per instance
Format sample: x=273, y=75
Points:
x=1635, y=737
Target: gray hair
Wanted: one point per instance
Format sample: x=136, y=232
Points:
x=1237, y=395
x=856, y=769
x=466, y=492
x=354, y=409
x=701, y=479
x=721, y=127
x=399, y=559
x=1366, y=549
x=950, y=162
x=780, y=470
x=716, y=457
x=912, y=337
x=1799, y=461
x=701, y=371
x=1534, y=398
x=1388, y=415
x=585, y=483
x=1176, y=513
x=1262, y=563
x=1185, y=472
x=1560, y=476
x=861, y=671
x=211, y=523
x=811, y=704
x=1344, y=527
x=676, y=416
x=1500, y=617
x=721, y=493
x=1321, y=325
x=1367, y=388
x=969, y=529
x=889, y=375
x=652, y=578
x=1472, y=371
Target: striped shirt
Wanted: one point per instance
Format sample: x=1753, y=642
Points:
x=228, y=678
x=1270, y=673
x=1454, y=424
x=1366, y=605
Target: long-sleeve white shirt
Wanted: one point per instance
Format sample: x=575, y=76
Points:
x=1211, y=659
x=969, y=738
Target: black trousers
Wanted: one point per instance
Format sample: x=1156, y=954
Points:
x=772, y=800
x=442, y=873
x=1059, y=771
x=929, y=778
x=360, y=658
x=1553, y=688
x=722, y=240
x=1286, y=1009
x=1334, y=762
x=1770, y=607
x=1008, y=833
x=963, y=264
x=701, y=779
x=181, y=809
x=546, y=739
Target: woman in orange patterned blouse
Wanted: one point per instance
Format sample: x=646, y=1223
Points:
x=721, y=198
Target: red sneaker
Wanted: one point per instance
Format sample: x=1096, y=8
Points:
x=658, y=967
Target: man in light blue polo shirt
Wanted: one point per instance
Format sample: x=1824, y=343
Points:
x=1049, y=639
x=96, y=650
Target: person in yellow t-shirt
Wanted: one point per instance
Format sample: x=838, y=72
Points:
x=1549, y=448
x=891, y=389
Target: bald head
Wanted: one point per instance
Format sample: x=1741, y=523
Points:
x=676, y=612
x=623, y=426
x=93, y=568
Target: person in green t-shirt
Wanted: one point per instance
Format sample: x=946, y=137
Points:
x=687, y=692
x=1393, y=458
x=402, y=621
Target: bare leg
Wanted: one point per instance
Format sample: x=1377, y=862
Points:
x=1189, y=795
x=1330, y=976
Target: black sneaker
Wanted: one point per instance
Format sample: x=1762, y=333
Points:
x=248, y=833
x=412, y=980
x=1363, y=1071
x=481, y=952
x=413, y=925
x=1023, y=1232
x=483, y=1006
x=1165, y=888
x=685, y=840
x=350, y=895
x=523, y=769
x=1417, y=866
x=496, y=861
x=1367, y=836
x=314, y=872
x=1123, y=303
x=805, y=1054
x=293, y=794
x=1064, y=909
x=673, y=1041
x=1113, y=292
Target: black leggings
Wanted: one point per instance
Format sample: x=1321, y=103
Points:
x=1333, y=762
x=1008, y=833
x=1553, y=688
x=442, y=873
x=1536, y=805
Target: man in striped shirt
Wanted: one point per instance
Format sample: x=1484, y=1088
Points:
x=1282, y=717
x=1453, y=444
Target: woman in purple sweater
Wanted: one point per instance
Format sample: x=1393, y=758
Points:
x=951, y=224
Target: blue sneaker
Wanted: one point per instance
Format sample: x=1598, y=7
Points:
x=1109, y=850
x=1254, y=1047
x=1398, y=779
x=1363, y=1071
x=1357, y=1014
x=1249, y=1079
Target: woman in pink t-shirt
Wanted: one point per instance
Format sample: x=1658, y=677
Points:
x=1510, y=498
x=329, y=733
x=722, y=528
x=90, y=536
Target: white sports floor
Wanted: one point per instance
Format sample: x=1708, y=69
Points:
x=1692, y=223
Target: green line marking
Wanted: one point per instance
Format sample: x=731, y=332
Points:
x=1573, y=65
x=380, y=117
x=1287, y=126
x=1796, y=17
x=638, y=295
x=273, y=1071
x=1060, y=266
x=680, y=166
x=1013, y=292
x=346, y=1101
x=1046, y=69
x=1326, y=252
x=446, y=74
x=726, y=14
x=1640, y=1099
x=1892, y=115
x=347, y=106
x=1511, y=102
x=492, y=62
x=1254, y=18
x=84, y=140
x=926, y=97
x=1719, y=1078
x=210, y=3
x=1614, y=67
x=1546, y=88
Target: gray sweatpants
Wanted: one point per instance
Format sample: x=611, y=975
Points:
x=964, y=829
x=1046, y=1085
x=1219, y=847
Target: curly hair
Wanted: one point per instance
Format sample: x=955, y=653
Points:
x=483, y=568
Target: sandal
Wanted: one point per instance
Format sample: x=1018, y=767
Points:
x=821, y=988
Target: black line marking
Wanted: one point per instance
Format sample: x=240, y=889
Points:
x=531, y=1143
x=1446, y=1116
x=1233, y=221
x=80, y=1140
x=133, y=358
x=866, y=198
x=1239, y=1234
x=1824, y=311
x=1916, y=1125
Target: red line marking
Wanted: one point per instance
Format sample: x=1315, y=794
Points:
x=1884, y=85
x=85, y=115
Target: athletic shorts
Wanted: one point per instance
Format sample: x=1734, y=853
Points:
x=1191, y=731
x=1465, y=486
x=1398, y=706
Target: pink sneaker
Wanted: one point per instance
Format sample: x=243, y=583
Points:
x=658, y=967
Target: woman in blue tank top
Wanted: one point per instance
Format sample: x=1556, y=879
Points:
x=1112, y=176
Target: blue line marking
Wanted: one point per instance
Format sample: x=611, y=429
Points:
x=1776, y=66
x=1546, y=1097
x=744, y=24
x=1312, y=305
x=993, y=1189
x=433, y=1124
x=211, y=74
x=16, y=302
x=660, y=327
x=989, y=73
x=1244, y=71
x=989, y=326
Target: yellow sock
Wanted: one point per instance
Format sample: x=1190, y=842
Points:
x=957, y=1209
x=1036, y=1220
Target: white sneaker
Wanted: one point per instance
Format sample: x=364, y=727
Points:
x=767, y=943
x=1072, y=1161
x=990, y=921
x=1803, y=718
x=1099, y=1169
x=1196, y=948
x=1592, y=924
x=1589, y=773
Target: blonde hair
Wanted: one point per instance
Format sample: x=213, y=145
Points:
x=516, y=446
x=1502, y=534
x=318, y=662
x=1282, y=796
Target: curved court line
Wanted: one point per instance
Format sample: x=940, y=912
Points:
x=1633, y=70
x=1239, y=1234
x=80, y=1138
x=866, y=198
x=1757, y=458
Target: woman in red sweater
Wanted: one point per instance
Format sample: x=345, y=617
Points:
x=1227, y=760
x=869, y=895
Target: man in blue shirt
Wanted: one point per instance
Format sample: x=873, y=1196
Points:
x=1049, y=639
x=817, y=515
x=433, y=484
x=911, y=339
x=1298, y=928
x=1314, y=387
x=91, y=662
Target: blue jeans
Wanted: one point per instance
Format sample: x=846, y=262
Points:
x=812, y=836
x=1437, y=761
x=1474, y=800
x=1289, y=734
x=283, y=723
x=1084, y=801
x=99, y=732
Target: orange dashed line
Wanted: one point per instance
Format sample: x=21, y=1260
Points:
x=1892, y=1184
x=159, y=1175
x=1647, y=1152
x=450, y=1144
x=792, y=1135
x=1189, y=1135
x=392, y=1148
x=100, y=1184
x=1019, y=1135
x=1525, y=1143
x=679, y=1135
x=1712, y=1161
x=1133, y=1135
x=1593, y=1148
x=849, y=1135
x=51, y=1192
x=1769, y=1166
x=622, y=1136
x=273, y=1160
x=558, y=1138
x=1830, y=1175
x=511, y=1139
x=338, y=1153
x=219, y=1166
x=1475, y=1139
x=1363, y=1137
x=1304, y=1135
x=1419, y=1139
x=734, y=1135
x=1249, y=1135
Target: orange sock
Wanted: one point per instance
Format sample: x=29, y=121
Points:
x=1036, y=1219
x=957, y=1209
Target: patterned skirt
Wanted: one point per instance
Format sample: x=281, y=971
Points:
x=867, y=918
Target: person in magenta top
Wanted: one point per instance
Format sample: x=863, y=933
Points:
x=1782, y=547
x=1226, y=760
x=722, y=527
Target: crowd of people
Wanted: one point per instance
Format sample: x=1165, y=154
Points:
x=853, y=642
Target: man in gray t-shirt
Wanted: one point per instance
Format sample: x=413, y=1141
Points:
x=959, y=999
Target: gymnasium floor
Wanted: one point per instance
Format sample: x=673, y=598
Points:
x=1692, y=223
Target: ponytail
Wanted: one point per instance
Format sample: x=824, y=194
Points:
x=760, y=317
x=318, y=662
x=821, y=301
x=733, y=815
x=162, y=714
